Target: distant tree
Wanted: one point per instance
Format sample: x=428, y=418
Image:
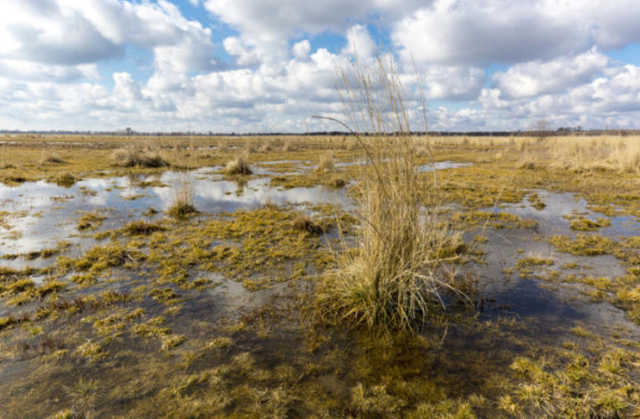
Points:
x=128, y=130
x=542, y=129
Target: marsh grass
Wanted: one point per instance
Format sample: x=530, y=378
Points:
x=401, y=264
x=527, y=161
x=142, y=228
x=138, y=157
x=584, y=154
x=239, y=166
x=305, y=223
x=579, y=154
x=50, y=158
x=326, y=164
x=66, y=180
x=84, y=396
x=182, y=205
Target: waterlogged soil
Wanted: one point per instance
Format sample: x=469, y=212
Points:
x=210, y=315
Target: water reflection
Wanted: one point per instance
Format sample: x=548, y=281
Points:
x=42, y=213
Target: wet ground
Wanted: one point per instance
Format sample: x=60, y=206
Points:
x=194, y=320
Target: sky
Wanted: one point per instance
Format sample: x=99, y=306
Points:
x=272, y=65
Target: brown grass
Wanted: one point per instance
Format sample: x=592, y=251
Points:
x=134, y=157
x=304, y=223
x=142, y=228
x=239, y=166
x=326, y=164
x=52, y=159
x=183, y=194
x=399, y=268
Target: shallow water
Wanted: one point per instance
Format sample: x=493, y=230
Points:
x=551, y=219
x=45, y=214
x=48, y=213
x=441, y=165
x=524, y=295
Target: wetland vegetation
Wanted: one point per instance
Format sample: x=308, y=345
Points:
x=378, y=276
x=115, y=301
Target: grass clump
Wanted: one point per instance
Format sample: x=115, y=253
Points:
x=583, y=245
x=182, y=210
x=90, y=221
x=528, y=161
x=398, y=270
x=6, y=322
x=142, y=228
x=585, y=224
x=533, y=261
x=133, y=157
x=66, y=180
x=536, y=202
x=182, y=205
x=100, y=258
x=304, y=223
x=52, y=159
x=239, y=166
x=326, y=164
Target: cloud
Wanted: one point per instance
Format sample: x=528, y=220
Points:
x=301, y=50
x=359, y=43
x=612, y=97
x=126, y=88
x=266, y=25
x=537, y=78
x=18, y=70
x=443, y=119
x=47, y=33
x=483, y=31
x=69, y=32
x=75, y=64
x=246, y=55
x=454, y=82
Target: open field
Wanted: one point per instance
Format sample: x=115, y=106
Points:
x=188, y=277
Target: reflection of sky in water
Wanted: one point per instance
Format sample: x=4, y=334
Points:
x=522, y=295
x=551, y=218
x=60, y=207
x=441, y=165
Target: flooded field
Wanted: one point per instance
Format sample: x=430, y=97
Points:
x=112, y=304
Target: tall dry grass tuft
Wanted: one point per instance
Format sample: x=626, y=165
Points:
x=527, y=161
x=183, y=193
x=138, y=157
x=239, y=166
x=326, y=164
x=400, y=266
x=580, y=154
